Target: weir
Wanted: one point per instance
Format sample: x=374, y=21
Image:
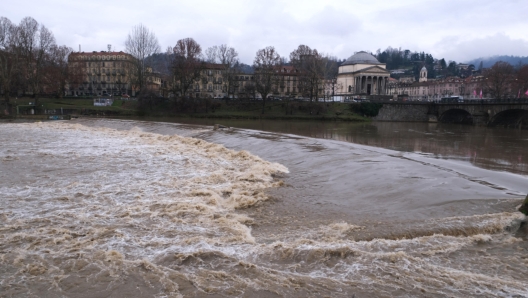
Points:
x=153, y=209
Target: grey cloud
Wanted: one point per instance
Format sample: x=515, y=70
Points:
x=332, y=22
x=336, y=27
x=498, y=44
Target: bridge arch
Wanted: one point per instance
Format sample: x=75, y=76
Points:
x=459, y=116
x=512, y=118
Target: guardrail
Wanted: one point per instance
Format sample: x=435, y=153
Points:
x=465, y=102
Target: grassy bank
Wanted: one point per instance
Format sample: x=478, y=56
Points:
x=231, y=109
x=77, y=106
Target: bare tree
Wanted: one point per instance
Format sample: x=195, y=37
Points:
x=312, y=67
x=522, y=80
x=499, y=79
x=267, y=63
x=141, y=43
x=228, y=58
x=186, y=64
x=56, y=73
x=211, y=54
x=8, y=56
x=330, y=70
x=78, y=75
x=35, y=43
x=27, y=33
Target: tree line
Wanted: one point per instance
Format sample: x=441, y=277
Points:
x=412, y=63
x=185, y=63
x=31, y=62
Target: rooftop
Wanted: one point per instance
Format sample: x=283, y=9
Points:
x=362, y=58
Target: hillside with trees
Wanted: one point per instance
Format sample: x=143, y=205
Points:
x=488, y=62
x=408, y=63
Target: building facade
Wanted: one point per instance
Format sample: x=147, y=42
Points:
x=100, y=73
x=362, y=74
x=470, y=88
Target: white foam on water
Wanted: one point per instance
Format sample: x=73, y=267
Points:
x=96, y=209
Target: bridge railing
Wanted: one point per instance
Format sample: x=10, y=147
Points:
x=466, y=101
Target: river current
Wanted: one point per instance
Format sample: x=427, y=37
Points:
x=129, y=208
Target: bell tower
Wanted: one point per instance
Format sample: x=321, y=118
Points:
x=423, y=74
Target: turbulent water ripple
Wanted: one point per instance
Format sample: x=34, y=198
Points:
x=91, y=212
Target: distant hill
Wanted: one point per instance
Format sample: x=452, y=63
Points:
x=489, y=61
x=248, y=69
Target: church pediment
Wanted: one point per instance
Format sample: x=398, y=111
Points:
x=372, y=70
x=375, y=69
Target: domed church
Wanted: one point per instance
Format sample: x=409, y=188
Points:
x=362, y=74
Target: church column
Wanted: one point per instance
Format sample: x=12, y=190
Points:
x=364, y=84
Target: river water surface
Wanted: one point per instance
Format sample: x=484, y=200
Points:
x=131, y=208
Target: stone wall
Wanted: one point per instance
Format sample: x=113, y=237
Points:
x=404, y=112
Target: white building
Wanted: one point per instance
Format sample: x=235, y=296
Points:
x=362, y=75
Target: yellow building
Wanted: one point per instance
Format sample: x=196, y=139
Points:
x=100, y=73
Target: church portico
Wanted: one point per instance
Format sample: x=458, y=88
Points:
x=362, y=74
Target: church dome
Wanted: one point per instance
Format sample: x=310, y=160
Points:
x=424, y=69
x=361, y=58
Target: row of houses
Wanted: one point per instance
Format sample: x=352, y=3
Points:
x=111, y=73
x=363, y=76
x=470, y=88
x=360, y=76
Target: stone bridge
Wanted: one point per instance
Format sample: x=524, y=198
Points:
x=507, y=114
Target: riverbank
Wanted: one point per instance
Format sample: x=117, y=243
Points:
x=202, y=108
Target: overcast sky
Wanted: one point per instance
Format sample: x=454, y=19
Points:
x=454, y=30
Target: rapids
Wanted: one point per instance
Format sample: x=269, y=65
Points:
x=121, y=208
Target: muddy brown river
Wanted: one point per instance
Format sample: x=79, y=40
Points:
x=133, y=208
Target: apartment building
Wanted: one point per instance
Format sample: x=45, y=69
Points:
x=100, y=73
